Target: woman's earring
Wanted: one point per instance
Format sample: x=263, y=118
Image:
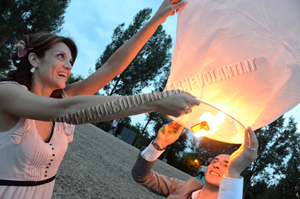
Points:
x=33, y=69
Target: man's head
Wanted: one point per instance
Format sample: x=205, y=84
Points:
x=216, y=169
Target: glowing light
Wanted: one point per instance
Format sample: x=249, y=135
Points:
x=208, y=124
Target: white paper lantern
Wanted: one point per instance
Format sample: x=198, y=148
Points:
x=242, y=57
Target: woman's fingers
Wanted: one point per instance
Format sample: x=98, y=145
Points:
x=176, y=105
x=178, y=3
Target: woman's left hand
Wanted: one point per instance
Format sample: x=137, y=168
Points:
x=167, y=8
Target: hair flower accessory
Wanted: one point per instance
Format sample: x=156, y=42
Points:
x=21, y=46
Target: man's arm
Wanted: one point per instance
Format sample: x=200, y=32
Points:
x=231, y=185
x=143, y=174
x=231, y=188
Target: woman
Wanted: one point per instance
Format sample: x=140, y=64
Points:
x=32, y=147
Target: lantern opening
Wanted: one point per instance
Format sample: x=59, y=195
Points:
x=214, y=123
x=208, y=124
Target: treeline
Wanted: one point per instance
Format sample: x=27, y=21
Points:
x=275, y=173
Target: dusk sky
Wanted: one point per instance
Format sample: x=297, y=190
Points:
x=91, y=23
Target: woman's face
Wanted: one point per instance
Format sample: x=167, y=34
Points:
x=55, y=67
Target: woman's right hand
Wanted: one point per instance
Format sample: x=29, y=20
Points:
x=167, y=8
x=177, y=104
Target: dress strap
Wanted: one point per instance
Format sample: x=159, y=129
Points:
x=25, y=183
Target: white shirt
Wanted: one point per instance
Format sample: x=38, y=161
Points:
x=115, y=123
x=230, y=188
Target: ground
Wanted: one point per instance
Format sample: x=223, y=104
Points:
x=98, y=165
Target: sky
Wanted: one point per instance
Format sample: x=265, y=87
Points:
x=91, y=24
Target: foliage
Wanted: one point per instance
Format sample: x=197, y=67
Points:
x=258, y=190
x=74, y=78
x=105, y=126
x=153, y=60
x=21, y=17
x=145, y=139
x=148, y=64
x=206, y=148
x=288, y=187
x=276, y=143
x=156, y=118
x=187, y=163
x=175, y=151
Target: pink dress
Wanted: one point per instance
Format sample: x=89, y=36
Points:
x=27, y=161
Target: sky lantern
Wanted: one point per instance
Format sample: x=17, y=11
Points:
x=242, y=61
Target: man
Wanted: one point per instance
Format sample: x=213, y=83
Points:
x=222, y=177
x=114, y=126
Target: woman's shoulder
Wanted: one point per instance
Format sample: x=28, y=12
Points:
x=12, y=82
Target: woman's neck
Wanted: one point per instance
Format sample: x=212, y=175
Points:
x=41, y=90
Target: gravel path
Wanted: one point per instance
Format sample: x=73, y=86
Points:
x=98, y=165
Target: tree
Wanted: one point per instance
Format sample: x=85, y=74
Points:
x=105, y=126
x=276, y=143
x=206, y=148
x=148, y=64
x=152, y=61
x=288, y=187
x=159, y=121
x=21, y=17
x=188, y=162
x=156, y=118
x=258, y=190
x=144, y=140
x=74, y=78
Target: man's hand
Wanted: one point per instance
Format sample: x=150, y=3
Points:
x=169, y=134
x=244, y=156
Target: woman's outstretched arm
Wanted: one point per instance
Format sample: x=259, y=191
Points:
x=19, y=102
x=119, y=61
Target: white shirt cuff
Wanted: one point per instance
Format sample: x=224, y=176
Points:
x=231, y=188
x=150, y=153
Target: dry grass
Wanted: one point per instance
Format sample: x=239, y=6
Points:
x=98, y=165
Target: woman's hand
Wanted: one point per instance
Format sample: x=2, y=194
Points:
x=167, y=8
x=176, y=105
x=244, y=156
x=168, y=134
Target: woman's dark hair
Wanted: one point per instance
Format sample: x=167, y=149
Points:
x=40, y=42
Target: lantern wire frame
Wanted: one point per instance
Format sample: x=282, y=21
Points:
x=229, y=131
x=225, y=113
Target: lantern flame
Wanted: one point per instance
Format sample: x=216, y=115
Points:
x=208, y=124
